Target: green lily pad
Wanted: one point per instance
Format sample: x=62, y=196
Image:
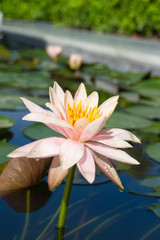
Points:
x=5, y=149
x=154, y=129
x=145, y=186
x=38, y=131
x=149, y=88
x=128, y=121
x=4, y=53
x=5, y=123
x=155, y=207
x=26, y=80
x=13, y=102
x=153, y=151
x=145, y=111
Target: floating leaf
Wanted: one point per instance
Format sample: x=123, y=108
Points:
x=5, y=123
x=149, y=88
x=4, y=53
x=26, y=80
x=155, y=207
x=13, y=102
x=21, y=173
x=154, y=129
x=38, y=131
x=144, y=111
x=128, y=121
x=5, y=149
x=153, y=150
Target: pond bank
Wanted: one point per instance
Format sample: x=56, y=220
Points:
x=119, y=53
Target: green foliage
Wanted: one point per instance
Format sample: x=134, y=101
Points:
x=116, y=16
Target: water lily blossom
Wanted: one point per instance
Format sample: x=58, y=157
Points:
x=84, y=141
x=53, y=51
x=75, y=61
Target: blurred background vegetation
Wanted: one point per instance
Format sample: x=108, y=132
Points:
x=127, y=17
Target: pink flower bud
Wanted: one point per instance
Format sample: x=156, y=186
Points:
x=75, y=61
x=53, y=51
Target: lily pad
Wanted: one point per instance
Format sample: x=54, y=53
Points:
x=144, y=187
x=13, y=102
x=5, y=149
x=21, y=173
x=26, y=80
x=4, y=53
x=145, y=111
x=155, y=207
x=128, y=121
x=38, y=131
x=5, y=123
x=153, y=150
x=149, y=88
x=154, y=129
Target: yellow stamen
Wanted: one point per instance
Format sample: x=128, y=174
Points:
x=74, y=113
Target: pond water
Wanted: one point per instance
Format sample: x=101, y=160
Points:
x=100, y=210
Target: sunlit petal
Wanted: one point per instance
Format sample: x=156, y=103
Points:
x=107, y=167
x=56, y=175
x=112, y=153
x=70, y=153
x=86, y=166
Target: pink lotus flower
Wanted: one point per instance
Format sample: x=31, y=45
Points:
x=75, y=61
x=53, y=51
x=85, y=143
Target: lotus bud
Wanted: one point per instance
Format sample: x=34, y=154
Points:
x=54, y=51
x=75, y=61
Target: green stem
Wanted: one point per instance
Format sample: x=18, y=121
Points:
x=65, y=199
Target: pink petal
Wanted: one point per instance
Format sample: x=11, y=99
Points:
x=111, y=153
x=120, y=133
x=80, y=124
x=56, y=175
x=80, y=94
x=46, y=147
x=108, y=106
x=92, y=99
x=111, y=141
x=59, y=92
x=32, y=107
x=58, y=104
x=42, y=117
x=70, y=153
x=54, y=109
x=86, y=166
x=68, y=99
x=107, y=167
x=23, y=151
x=93, y=128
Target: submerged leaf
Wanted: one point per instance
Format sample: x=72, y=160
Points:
x=21, y=173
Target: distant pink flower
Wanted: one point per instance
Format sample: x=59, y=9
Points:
x=75, y=61
x=53, y=51
x=85, y=143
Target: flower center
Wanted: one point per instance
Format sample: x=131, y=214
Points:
x=74, y=113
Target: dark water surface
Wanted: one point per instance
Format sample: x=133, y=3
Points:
x=100, y=210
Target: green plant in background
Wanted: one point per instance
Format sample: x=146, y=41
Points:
x=116, y=16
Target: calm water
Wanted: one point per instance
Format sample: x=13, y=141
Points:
x=98, y=211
